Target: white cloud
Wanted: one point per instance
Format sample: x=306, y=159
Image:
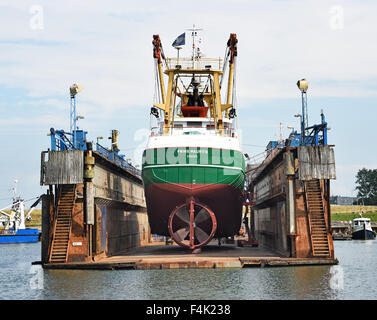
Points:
x=107, y=47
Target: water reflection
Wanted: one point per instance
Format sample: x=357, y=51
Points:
x=192, y=284
x=20, y=280
x=287, y=283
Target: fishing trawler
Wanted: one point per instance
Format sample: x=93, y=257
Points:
x=193, y=167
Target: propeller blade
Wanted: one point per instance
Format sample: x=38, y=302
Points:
x=202, y=216
x=183, y=215
x=200, y=235
x=182, y=233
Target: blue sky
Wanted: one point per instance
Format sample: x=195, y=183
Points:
x=46, y=46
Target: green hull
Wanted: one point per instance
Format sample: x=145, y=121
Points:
x=193, y=166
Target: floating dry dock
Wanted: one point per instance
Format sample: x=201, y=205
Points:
x=101, y=222
x=94, y=214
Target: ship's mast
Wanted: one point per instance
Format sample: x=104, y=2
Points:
x=15, y=191
x=18, y=208
x=195, y=48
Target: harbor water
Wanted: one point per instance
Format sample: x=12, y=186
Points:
x=354, y=278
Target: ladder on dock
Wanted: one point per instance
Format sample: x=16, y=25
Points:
x=317, y=221
x=62, y=230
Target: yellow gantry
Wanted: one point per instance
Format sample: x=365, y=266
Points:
x=212, y=97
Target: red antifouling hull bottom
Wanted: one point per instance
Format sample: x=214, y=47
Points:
x=225, y=201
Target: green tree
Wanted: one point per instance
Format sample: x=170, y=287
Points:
x=366, y=185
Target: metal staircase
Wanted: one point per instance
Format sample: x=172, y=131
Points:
x=317, y=221
x=62, y=230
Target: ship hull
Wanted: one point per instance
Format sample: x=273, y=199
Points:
x=363, y=234
x=216, y=184
x=224, y=200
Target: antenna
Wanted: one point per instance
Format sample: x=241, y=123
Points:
x=15, y=190
x=195, y=50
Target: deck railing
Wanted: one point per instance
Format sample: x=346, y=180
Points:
x=226, y=132
x=118, y=160
x=189, y=63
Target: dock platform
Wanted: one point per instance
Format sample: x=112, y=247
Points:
x=161, y=256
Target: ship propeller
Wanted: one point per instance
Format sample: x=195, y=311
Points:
x=192, y=225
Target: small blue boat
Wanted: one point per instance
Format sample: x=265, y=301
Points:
x=20, y=236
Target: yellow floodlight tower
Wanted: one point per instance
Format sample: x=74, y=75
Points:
x=74, y=89
x=303, y=86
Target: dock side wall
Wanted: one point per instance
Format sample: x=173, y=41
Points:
x=123, y=230
x=270, y=213
x=121, y=217
x=119, y=221
x=281, y=220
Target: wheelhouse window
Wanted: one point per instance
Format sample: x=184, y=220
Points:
x=195, y=124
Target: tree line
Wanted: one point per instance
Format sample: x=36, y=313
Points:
x=366, y=186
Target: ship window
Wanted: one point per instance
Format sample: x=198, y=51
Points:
x=194, y=124
x=178, y=126
x=210, y=126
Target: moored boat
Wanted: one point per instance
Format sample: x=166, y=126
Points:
x=362, y=229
